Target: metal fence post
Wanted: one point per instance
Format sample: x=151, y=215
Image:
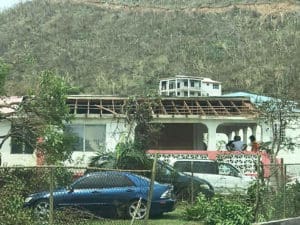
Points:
x=151, y=189
x=284, y=191
x=192, y=183
x=257, y=196
x=51, y=211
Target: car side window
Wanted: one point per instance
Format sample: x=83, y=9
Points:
x=103, y=180
x=164, y=171
x=118, y=180
x=196, y=167
x=89, y=182
x=226, y=169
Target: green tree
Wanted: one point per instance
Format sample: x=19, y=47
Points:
x=3, y=74
x=279, y=113
x=42, y=115
x=142, y=134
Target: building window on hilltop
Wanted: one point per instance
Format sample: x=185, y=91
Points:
x=178, y=85
x=171, y=85
x=185, y=83
x=164, y=85
x=192, y=83
x=215, y=86
x=89, y=138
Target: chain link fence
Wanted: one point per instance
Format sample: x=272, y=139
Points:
x=276, y=196
x=73, y=195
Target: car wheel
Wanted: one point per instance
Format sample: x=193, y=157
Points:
x=137, y=211
x=41, y=209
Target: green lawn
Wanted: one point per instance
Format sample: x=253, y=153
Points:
x=173, y=218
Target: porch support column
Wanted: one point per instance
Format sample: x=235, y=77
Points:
x=254, y=129
x=212, y=135
x=197, y=136
x=229, y=136
x=245, y=135
x=237, y=132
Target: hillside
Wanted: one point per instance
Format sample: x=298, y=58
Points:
x=124, y=47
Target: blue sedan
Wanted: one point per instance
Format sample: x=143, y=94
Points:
x=102, y=193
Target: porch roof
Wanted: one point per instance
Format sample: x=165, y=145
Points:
x=202, y=106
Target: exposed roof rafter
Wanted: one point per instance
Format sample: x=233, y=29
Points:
x=208, y=106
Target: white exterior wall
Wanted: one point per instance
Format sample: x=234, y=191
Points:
x=203, y=87
x=207, y=88
x=115, y=131
x=13, y=159
x=293, y=132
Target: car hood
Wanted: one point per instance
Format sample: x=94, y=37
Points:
x=46, y=194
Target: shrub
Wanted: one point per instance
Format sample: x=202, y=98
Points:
x=11, y=205
x=220, y=210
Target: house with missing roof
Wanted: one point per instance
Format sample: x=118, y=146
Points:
x=199, y=126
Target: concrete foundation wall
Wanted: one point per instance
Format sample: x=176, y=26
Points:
x=290, y=221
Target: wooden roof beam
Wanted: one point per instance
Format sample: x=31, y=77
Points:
x=162, y=107
x=175, y=108
x=234, y=105
x=226, y=111
x=200, y=108
x=101, y=107
x=187, y=107
x=212, y=108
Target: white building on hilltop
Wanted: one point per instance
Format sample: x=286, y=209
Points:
x=189, y=86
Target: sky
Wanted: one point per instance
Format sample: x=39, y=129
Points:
x=5, y=4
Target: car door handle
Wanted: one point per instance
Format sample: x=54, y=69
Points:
x=129, y=190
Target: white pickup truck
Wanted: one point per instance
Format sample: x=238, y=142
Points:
x=224, y=177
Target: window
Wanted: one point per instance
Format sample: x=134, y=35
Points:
x=196, y=167
x=171, y=85
x=192, y=93
x=163, y=85
x=215, y=86
x=178, y=85
x=103, y=180
x=227, y=169
x=192, y=83
x=90, y=182
x=185, y=83
x=89, y=137
x=24, y=144
x=185, y=93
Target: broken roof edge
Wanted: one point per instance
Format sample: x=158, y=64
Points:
x=114, y=97
x=9, y=104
